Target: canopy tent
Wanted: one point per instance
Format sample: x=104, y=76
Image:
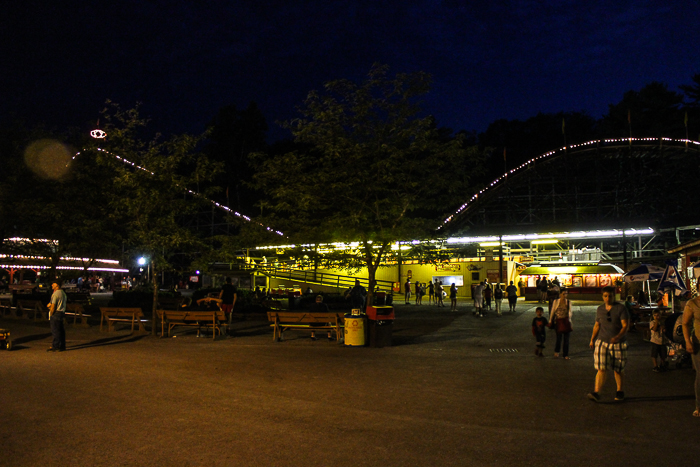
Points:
x=672, y=281
x=644, y=272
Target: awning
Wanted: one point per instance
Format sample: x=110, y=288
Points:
x=587, y=269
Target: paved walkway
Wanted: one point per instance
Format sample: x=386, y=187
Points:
x=439, y=397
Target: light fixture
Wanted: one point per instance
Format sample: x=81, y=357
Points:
x=488, y=244
x=545, y=242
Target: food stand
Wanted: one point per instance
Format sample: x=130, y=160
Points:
x=584, y=281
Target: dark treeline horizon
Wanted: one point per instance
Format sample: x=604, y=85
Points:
x=233, y=133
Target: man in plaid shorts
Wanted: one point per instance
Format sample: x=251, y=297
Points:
x=609, y=343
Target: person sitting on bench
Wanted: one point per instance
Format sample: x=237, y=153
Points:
x=319, y=307
x=203, y=304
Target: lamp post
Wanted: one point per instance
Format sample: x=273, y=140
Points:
x=142, y=261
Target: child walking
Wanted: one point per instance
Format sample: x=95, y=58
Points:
x=658, y=349
x=539, y=330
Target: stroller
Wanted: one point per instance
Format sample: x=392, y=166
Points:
x=675, y=341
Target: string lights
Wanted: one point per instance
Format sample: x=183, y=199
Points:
x=193, y=193
x=551, y=153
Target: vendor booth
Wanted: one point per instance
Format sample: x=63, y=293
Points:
x=584, y=281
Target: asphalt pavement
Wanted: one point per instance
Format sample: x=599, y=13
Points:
x=452, y=390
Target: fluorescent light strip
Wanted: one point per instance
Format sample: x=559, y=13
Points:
x=568, y=235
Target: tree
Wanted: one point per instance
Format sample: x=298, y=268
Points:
x=652, y=111
x=692, y=91
x=523, y=140
x=692, y=107
x=376, y=172
x=154, y=196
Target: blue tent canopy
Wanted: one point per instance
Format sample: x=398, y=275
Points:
x=644, y=272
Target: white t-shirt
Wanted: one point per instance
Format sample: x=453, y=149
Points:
x=656, y=336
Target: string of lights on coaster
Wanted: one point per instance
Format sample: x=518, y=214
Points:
x=100, y=134
x=552, y=153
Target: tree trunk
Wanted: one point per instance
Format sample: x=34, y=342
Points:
x=371, y=276
x=154, y=280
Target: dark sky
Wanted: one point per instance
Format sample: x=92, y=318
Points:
x=185, y=59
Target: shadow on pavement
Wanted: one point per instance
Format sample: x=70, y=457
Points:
x=108, y=341
x=33, y=337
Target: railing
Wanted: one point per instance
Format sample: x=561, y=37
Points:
x=315, y=277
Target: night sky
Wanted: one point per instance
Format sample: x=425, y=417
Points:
x=184, y=60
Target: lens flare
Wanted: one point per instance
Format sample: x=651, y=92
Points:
x=48, y=158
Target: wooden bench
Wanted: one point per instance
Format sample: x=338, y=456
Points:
x=83, y=298
x=283, y=320
x=216, y=320
x=25, y=308
x=77, y=312
x=6, y=308
x=122, y=315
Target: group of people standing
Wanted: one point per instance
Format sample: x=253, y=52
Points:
x=484, y=292
x=434, y=290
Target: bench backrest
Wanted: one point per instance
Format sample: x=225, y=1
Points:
x=273, y=304
x=75, y=308
x=121, y=312
x=182, y=315
x=303, y=317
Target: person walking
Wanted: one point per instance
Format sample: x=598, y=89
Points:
x=552, y=293
x=488, y=294
x=419, y=294
x=228, y=297
x=609, y=344
x=478, y=293
x=407, y=291
x=431, y=293
x=57, y=311
x=498, y=298
x=512, y=293
x=453, y=297
x=542, y=290
x=691, y=333
x=658, y=349
x=539, y=330
x=439, y=291
x=560, y=320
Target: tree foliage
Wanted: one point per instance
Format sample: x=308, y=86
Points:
x=653, y=111
x=155, y=196
x=375, y=171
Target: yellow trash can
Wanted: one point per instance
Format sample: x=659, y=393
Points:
x=354, y=330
